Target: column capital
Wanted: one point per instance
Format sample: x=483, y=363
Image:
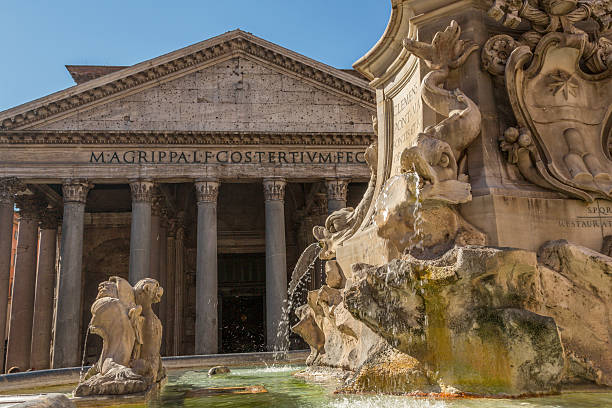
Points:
x=274, y=189
x=9, y=186
x=142, y=191
x=50, y=219
x=207, y=191
x=337, y=188
x=30, y=207
x=75, y=191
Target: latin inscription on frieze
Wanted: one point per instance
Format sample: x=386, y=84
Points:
x=407, y=119
x=225, y=157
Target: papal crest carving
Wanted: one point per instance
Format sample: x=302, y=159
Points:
x=563, y=116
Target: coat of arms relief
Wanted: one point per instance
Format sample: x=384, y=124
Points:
x=558, y=76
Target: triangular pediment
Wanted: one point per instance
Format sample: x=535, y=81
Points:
x=240, y=94
x=185, y=64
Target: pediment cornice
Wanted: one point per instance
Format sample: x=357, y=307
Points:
x=64, y=137
x=182, y=62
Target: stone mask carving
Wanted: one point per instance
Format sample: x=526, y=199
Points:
x=131, y=335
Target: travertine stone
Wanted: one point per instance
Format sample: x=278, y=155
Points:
x=130, y=361
x=24, y=283
x=276, y=263
x=140, y=235
x=233, y=95
x=66, y=341
x=40, y=354
x=8, y=188
x=336, y=194
x=206, y=325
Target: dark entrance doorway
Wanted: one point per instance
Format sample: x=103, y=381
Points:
x=241, y=290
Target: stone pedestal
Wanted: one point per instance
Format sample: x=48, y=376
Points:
x=206, y=325
x=24, y=282
x=8, y=188
x=66, y=343
x=40, y=354
x=276, y=263
x=140, y=233
x=336, y=194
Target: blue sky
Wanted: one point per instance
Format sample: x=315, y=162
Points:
x=39, y=37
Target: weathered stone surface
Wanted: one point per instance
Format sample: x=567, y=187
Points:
x=576, y=290
x=392, y=372
x=334, y=276
x=130, y=361
x=237, y=94
x=335, y=337
x=48, y=401
x=218, y=370
x=463, y=316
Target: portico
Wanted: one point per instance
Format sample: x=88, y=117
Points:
x=205, y=169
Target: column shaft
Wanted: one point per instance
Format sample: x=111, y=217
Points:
x=163, y=279
x=155, y=241
x=40, y=354
x=140, y=233
x=206, y=325
x=24, y=282
x=179, y=281
x=169, y=290
x=276, y=263
x=66, y=342
x=8, y=188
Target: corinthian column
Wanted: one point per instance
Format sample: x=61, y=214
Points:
x=8, y=187
x=336, y=194
x=24, y=282
x=276, y=262
x=40, y=354
x=140, y=235
x=66, y=341
x=206, y=326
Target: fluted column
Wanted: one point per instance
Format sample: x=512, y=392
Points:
x=40, y=354
x=206, y=325
x=336, y=193
x=140, y=233
x=8, y=188
x=66, y=341
x=276, y=262
x=24, y=282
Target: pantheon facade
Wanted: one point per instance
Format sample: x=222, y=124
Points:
x=204, y=168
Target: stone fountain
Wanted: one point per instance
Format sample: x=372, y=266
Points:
x=478, y=262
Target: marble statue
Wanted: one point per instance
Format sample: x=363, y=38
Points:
x=131, y=333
